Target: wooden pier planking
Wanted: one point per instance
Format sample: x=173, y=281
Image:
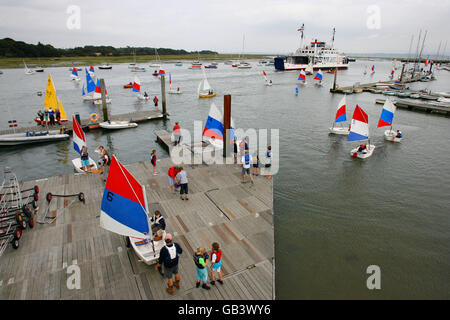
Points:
x=221, y=209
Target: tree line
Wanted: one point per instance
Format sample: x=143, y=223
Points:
x=10, y=48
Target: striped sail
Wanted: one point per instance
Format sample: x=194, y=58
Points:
x=124, y=204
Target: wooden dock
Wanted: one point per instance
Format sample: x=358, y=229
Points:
x=418, y=106
x=221, y=208
x=86, y=124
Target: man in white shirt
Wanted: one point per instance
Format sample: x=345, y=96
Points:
x=246, y=162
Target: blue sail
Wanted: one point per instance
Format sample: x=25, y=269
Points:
x=90, y=84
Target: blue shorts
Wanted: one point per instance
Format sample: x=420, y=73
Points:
x=84, y=163
x=202, y=274
x=217, y=265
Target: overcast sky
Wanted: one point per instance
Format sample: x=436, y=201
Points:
x=269, y=26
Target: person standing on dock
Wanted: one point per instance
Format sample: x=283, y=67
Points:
x=216, y=263
x=153, y=161
x=176, y=133
x=105, y=161
x=84, y=159
x=201, y=261
x=51, y=115
x=181, y=179
x=235, y=145
x=168, y=257
x=58, y=116
x=173, y=171
x=155, y=101
x=268, y=163
x=246, y=162
x=41, y=116
x=255, y=160
x=46, y=116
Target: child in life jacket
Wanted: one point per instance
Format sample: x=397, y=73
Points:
x=216, y=263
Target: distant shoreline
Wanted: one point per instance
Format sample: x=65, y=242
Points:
x=13, y=63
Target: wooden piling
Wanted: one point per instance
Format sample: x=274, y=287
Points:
x=403, y=69
x=163, y=96
x=227, y=124
x=104, y=105
x=335, y=78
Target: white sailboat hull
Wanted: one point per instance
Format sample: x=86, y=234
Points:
x=99, y=101
x=146, y=252
x=21, y=138
x=77, y=165
x=142, y=97
x=175, y=92
x=365, y=153
x=114, y=125
x=391, y=135
x=339, y=130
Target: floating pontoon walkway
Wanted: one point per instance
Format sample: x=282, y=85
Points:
x=221, y=208
x=86, y=124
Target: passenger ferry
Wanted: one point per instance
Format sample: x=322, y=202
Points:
x=316, y=54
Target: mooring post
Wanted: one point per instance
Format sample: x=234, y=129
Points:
x=226, y=125
x=335, y=78
x=163, y=96
x=105, y=107
x=403, y=69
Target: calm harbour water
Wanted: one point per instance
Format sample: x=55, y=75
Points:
x=334, y=215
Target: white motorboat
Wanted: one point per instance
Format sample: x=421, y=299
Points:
x=77, y=165
x=114, y=125
x=31, y=137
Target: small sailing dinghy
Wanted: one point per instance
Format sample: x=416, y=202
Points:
x=373, y=70
x=137, y=89
x=97, y=95
x=52, y=102
x=341, y=116
x=268, y=83
x=386, y=118
x=204, y=88
x=28, y=71
x=157, y=63
x=302, y=77
x=318, y=77
x=79, y=141
x=173, y=91
x=89, y=94
x=115, y=125
x=124, y=211
x=74, y=75
x=359, y=131
x=213, y=133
